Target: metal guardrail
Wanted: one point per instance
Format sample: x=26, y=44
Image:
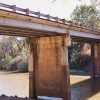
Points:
x=28, y=12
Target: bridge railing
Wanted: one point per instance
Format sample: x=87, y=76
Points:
x=28, y=12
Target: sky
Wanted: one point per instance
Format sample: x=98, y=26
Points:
x=60, y=8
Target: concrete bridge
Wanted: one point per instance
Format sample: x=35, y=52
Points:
x=48, y=40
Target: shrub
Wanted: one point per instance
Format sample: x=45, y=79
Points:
x=77, y=59
x=23, y=67
x=1, y=66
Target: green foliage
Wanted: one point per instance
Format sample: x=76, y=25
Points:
x=76, y=59
x=74, y=52
x=10, y=49
x=7, y=59
x=23, y=67
x=87, y=15
x=83, y=61
x=1, y=65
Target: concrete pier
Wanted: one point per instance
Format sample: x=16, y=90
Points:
x=97, y=59
x=48, y=67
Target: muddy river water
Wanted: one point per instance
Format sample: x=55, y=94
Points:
x=82, y=87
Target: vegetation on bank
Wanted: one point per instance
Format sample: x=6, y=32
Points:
x=80, y=52
x=13, y=54
x=79, y=56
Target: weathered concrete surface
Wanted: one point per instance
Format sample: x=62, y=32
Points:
x=32, y=93
x=48, y=67
x=97, y=59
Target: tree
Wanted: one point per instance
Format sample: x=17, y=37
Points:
x=93, y=1
x=87, y=15
x=13, y=50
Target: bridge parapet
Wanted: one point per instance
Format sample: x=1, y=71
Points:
x=14, y=8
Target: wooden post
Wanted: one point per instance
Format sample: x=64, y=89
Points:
x=48, y=67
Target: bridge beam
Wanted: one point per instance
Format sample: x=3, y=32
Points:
x=48, y=67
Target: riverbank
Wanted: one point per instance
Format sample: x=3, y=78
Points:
x=4, y=97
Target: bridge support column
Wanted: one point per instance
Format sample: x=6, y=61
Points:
x=31, y=68
x=96, y=59
x=48, y=67
x=92, y=61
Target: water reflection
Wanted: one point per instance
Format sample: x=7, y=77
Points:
x=88, y=89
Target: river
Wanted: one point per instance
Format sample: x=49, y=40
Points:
x=82, y=87
x=13, y=84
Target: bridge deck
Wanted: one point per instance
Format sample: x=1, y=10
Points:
x=35, y=24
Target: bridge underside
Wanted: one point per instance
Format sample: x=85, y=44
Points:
x=24, y=32
x=30, y=33
x=86, y=40
x=33, y=33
